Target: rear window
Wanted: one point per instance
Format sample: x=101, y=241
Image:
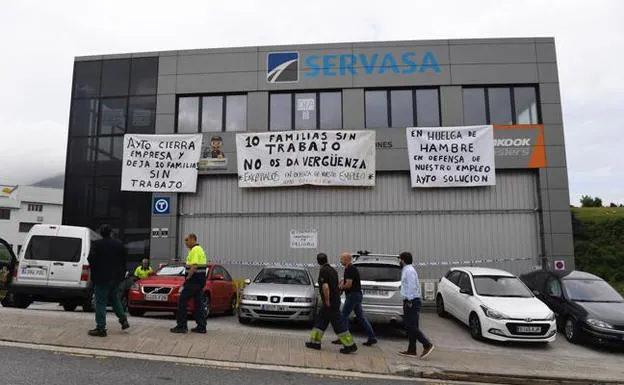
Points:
x=5, y=254
x=379, y=272
x=49, y=248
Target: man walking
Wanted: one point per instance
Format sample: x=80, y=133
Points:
x=330, y=309
x=352, y=287
x=107, y=260
x=196, y=265
x=410, y=291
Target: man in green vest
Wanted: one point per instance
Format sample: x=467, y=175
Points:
x=196, y=268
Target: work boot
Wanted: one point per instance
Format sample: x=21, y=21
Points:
x=349, y=349
x=124, y=323
x=370, y=342
x=198, y=330
x=178, y=330
x=313, y=345
x=97, y=332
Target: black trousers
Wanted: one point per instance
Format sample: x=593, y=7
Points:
x=193, y=290
x=330, y=315
x=411, y=314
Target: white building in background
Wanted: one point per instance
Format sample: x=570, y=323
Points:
x=21, y=207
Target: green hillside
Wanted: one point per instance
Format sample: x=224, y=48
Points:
x=598, y=214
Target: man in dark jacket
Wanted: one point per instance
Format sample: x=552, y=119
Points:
x=108, y=266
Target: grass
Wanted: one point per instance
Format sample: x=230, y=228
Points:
x=598, y=214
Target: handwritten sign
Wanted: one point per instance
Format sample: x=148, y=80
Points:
x=303, y=239
x=294, y=158
x=451, y=156
x=160, y=163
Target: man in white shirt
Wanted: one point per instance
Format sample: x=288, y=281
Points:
x=410, y=291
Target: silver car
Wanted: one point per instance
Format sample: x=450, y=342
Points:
x=380, y=276
x=279, y=293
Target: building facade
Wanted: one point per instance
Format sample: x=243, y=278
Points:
x=22, y=207
x=522, y=222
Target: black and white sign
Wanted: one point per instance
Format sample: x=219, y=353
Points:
x=160, y=163
x=451, y=156
x=295, y=158
x=303, y=239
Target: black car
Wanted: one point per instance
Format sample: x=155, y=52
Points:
x=7, y=264
x=586, y=306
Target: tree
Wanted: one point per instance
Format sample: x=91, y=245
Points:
x=613, y=205
x=597, y=202
x=587, y=201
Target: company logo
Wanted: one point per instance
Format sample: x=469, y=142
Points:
x=528, y=319
x=283, y=67
x=161, y=206
x=519, y=142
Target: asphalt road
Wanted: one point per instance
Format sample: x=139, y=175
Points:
x=32, y=367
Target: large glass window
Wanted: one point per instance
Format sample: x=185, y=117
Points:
x=305, y=111
x=402, y=108
x=115, y=77
x=78, y=194
x=107, y=202
x=113, y=116
x=81, y=156
x=141, y=114
x=84, y=117
x=214, y=113
x=500, y=105
x=331, y=110
x=144, y=76
x=109, y=155
x=54, y=248
x=280, y=112
x=87, y=79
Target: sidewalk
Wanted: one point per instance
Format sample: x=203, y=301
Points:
x=257, y=346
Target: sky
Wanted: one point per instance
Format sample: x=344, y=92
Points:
x=41, y=38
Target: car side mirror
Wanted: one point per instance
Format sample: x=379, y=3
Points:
x=247, y=281
x=466, y=291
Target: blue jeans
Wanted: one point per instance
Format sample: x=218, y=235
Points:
x=411, y=315
x=352, y=303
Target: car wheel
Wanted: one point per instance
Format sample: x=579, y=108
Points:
x=232, y=310
x=440, y=307
x=475, y=327
x=136, y=312
x=69, y=306
x=571, y=330
x=20, y=301
x=8, y=300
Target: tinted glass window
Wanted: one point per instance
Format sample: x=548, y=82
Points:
x=586, y=290
x=142, y=114
x=188, y=115
x=5, y=254
x=144, y=76
x=212, y=114
x=453, y=276
x=428, y=108
x=236, y=113
x=283, y=276
x=553, y=288
x=280, y=112
x=110, y=149
x=81, y=155
x=498, y=286
x=137, y=211
x=305, y=111
x=402, y=108
x=331, y=110
x=5, y=214
x=107, y=202
x=474, y=106
x=78, y=194
x=87, y=79
x=376, y=109
x=137, y=244
x=115, y=77
x=49, y=248
x=379, y=273
x=25, y=227
x=499, y=100
x=113, y=116
x=84, y=117
x=464, y=282
x=526, y=105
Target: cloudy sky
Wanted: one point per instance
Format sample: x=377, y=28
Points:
x=40, y=39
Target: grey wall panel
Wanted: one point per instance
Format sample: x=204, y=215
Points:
x=167, y=65
x=165, y=104
x=440, y=52
x=452, y=106
x=223, y=82
x=353, y=104
x=514, y=190
x=393, y=79
x=166, y=84
x=493, y=53
x=464, y=74
x=549, y=93
x=548, y=73
x=257, y=111
x=217, y=63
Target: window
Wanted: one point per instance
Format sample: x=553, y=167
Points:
x=379, y=272
x=5, y=254
x=402, y=108
x=19, y=249
x=115, y=77
x=81, y=155
x=5, y=214
x=107, y=202
x=35, y=207
x=143, y=76
x=87, y=79
x=113, y=116
x=48, y=248
x=214, y=113
x=305, y=111
x=25, y=227
x=84, y=117
x=553, y=288
x=109, y=155
x=501, y=286
x=500, y=105
x=464, y=282
x=218, y=270
x=78, y=195
x=453, y=276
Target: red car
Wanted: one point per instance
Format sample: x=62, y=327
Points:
x=160, y=292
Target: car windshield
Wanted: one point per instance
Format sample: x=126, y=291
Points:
x=283, y=276
x=501, y=286
x=590, y=290
x=379, y=272
x=170, y=271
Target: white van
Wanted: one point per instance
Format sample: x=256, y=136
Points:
x=53, y=267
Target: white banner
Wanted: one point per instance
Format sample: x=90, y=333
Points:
x=303, y=239
x=295, y=158
x=160, y=163
x=451, y=156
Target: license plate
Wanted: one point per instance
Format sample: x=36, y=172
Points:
x=382, y=293
x=529, y=329
x=273, y=307
x=33, y=272
x=156, y=297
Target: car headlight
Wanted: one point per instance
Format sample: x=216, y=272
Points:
x=551, y=316
x=303, y=299
x=493, y=314
x=598, y=323
x=135, y=287
x=250, y=297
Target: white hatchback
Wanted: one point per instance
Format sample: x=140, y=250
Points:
x=495, y=305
